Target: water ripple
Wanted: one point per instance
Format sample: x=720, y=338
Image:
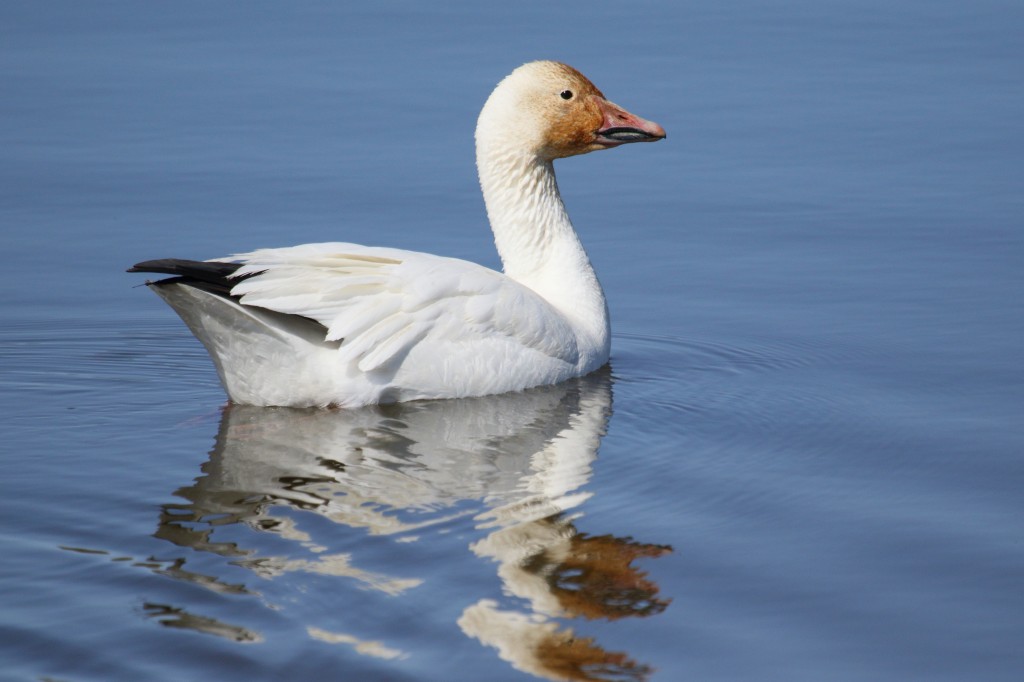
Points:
x=770, y=392
x=703, y=355
x=51, y=358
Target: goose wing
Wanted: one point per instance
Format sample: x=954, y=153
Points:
x=382, y=302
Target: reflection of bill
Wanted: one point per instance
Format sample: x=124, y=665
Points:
x=539, y=647
x=517, y=463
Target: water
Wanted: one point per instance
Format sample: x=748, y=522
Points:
x=804, y=463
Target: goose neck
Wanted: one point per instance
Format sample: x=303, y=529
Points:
x=530, y=224
x=536, y=241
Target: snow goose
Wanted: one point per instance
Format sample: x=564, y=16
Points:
x=349, y=325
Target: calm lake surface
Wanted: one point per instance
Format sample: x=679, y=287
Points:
x=805, y=462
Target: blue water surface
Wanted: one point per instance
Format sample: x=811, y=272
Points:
x=804, y=463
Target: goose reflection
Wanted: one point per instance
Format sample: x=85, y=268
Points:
x=514, y=467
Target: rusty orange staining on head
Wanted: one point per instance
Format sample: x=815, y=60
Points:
x=576, y=118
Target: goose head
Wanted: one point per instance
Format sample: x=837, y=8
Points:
x=550, y=110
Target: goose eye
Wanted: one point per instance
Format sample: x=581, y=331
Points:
x=566, y=94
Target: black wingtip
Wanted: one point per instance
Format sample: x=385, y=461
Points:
x=189, y=268
x=213, y=276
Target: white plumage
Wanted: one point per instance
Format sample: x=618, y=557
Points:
x=348, y=325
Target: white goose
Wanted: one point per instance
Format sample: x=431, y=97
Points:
x=349, y=325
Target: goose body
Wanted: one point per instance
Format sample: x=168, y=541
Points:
x=349, y=325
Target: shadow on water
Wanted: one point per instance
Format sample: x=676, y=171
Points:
x=512, y=468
